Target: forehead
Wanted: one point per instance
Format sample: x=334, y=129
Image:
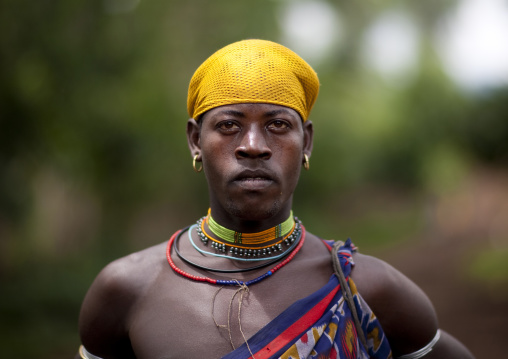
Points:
x=244, y=110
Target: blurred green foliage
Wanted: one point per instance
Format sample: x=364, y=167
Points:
x=93, y=156
x=492, y=264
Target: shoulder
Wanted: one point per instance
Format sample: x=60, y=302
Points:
x=108, y=304
x=128, y=275
x=405, y=312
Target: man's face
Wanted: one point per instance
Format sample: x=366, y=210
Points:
x=252, y=156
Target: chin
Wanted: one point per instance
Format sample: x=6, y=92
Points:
x=254, y=212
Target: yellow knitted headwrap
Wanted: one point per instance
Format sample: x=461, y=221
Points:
x=253, y=71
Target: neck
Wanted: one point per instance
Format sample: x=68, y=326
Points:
x=252, y=219
x=261, y=239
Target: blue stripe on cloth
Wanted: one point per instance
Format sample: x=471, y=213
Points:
x=284, y=320
x=320, y=325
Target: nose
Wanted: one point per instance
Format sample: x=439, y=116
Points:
x=253, y=144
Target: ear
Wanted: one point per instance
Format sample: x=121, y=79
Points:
x=308, y=138
x=194, y=138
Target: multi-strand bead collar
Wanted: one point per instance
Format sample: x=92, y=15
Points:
x=241, y=246
x=248, y=245
x=239, y=238
x=231, y=282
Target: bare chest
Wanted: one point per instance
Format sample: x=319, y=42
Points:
x=180, y=318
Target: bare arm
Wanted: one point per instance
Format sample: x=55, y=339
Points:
x=103, y=318
x=406, y=314
x=449, y=347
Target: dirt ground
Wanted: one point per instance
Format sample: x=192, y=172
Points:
x=463, y=224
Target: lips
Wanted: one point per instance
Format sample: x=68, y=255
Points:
x=253, y=180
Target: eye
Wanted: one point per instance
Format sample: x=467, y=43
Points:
x=228, y=126
x=278, y=125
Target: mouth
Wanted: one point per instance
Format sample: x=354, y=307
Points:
x=253, y=180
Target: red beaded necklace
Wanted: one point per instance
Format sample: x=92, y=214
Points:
x=232, y=281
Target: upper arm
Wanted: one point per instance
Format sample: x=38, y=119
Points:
x=449, y=347
x=405, y=312
x=104, y=313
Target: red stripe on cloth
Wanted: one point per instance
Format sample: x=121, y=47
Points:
x=296, y=328
x=327, y=245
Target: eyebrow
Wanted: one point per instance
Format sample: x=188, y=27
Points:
x=240, y=114
x=231, y=113
x=277, y=112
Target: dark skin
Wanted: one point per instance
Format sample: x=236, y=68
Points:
x=252, y=156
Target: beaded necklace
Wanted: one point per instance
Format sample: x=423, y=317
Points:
x=270, y=260
x=231, y=236
x=248, y=251
x=191, y=241
x=232, y=281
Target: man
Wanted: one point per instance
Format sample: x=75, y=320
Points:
x=248, y=280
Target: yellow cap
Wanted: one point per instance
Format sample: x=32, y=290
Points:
x=253, y=71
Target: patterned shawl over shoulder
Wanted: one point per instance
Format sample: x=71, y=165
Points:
x=321, y=325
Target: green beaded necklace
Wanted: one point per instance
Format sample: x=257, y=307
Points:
x=269, y=234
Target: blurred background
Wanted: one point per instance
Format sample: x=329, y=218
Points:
x=410, y=157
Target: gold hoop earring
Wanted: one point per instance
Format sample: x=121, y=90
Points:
x=194, y=164
x=306, y=163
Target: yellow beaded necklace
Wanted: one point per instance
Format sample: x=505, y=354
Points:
x=270, y=234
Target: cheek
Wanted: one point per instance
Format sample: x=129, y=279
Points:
x=294, y=149
x=216, y=159
x=291, y=157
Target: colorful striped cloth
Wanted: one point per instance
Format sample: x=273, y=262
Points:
x=320, y=326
